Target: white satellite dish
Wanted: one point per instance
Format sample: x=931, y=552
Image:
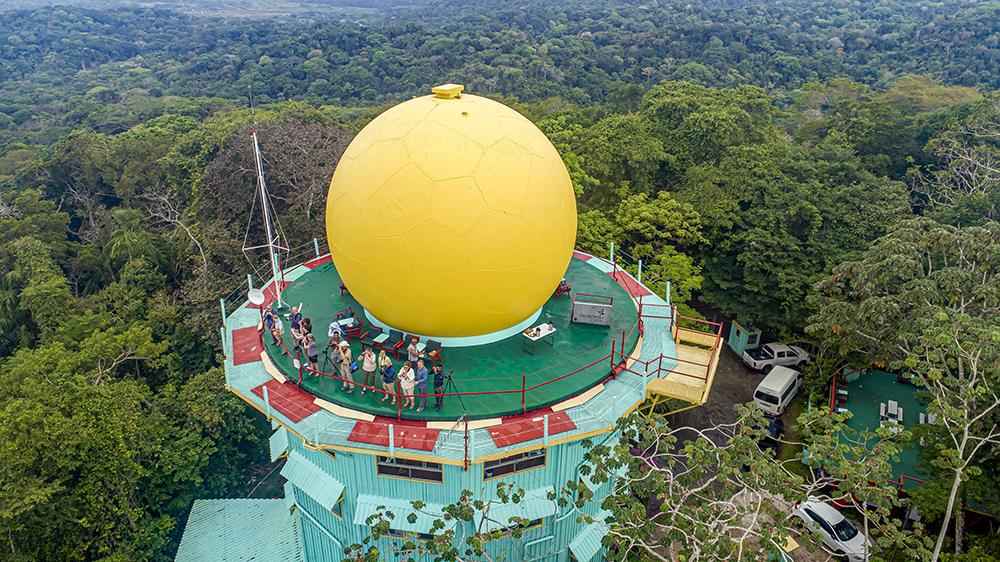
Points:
x=256, y=296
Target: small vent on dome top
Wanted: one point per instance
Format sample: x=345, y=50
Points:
x=448, y=91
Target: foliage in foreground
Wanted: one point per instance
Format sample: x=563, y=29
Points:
x=690, y=494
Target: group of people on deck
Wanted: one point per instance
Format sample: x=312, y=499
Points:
x=412, y=376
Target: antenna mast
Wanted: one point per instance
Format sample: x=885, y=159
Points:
x=272, y=240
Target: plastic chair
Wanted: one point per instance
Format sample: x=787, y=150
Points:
x=433, y=350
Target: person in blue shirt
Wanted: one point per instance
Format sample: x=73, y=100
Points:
x=269, y=322
x=294, y=319
x=388, y=378
x=422, y=384
x=438, y=387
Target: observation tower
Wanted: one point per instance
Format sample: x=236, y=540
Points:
x=450, y=220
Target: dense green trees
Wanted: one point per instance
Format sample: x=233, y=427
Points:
x=123, y=205
x=114, y=251
x=64, y=66
x=924, y=301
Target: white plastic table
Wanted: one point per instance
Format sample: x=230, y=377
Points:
x=544, y=333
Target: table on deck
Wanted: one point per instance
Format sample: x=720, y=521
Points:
x=542, y=332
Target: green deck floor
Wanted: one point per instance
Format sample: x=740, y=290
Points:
x=864, y=399
x=487, y=368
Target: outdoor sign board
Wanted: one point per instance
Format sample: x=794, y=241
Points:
x=592, y=313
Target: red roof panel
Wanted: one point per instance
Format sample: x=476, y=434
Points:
x=406, y=436
x=518, y=429
x=246, y=345
x=288, y=399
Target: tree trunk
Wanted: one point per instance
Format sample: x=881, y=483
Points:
x=960, y=527
x=947, y=514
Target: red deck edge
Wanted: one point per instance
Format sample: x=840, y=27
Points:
x=288, y=399
x=316, y=262
x=406, y=436
x=581, y=256
x=246, y=345
x=631, y=286
x=526, y=427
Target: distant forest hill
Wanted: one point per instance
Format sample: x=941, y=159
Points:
x=236, y=8
x=60, y=67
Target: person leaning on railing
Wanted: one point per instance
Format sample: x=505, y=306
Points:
x=388, y=376
x=368, y=365
x=345, y=367
x=312, y=353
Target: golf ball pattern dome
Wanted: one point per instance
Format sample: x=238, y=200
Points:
x=451, y=217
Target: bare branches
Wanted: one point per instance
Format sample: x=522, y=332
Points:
x=105, y=366
x=970, y=168
x=163, y=205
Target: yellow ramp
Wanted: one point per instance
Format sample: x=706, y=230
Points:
x=691, y=380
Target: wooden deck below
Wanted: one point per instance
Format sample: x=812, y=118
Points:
x=691, y=379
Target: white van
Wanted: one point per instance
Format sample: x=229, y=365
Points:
x=777, y=390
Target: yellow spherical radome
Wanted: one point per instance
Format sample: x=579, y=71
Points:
x=451, y=215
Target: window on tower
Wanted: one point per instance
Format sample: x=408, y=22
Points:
x=338, y=508
x=513, y=464
x=410, y=469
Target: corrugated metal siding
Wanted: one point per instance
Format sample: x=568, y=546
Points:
x=279, y=444
x=368, y=504
x=343, y=530
x=358, y=471
x=290, y=502
x=587, y=544
x=534, y=505
x=317, y=545
x=240, y=530
x=308, y=477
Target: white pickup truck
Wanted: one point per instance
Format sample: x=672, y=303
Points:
x=765, y=357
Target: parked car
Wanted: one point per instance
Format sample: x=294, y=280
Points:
x=777, y=390
x=840, y=536
x=775, y=430
x=770, y=355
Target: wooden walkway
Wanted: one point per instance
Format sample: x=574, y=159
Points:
x=690, y=379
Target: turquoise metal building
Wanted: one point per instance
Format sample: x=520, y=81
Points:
x=743, y=337
x=343, y=465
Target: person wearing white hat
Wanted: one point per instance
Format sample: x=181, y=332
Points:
x=345, y=367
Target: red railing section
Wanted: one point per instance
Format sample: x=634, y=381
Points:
x=646, y=310
x=616, y=352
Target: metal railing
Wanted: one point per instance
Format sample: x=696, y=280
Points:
x=398, y=396
x=660, y=370
x=646, y=310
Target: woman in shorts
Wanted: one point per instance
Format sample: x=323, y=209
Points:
x=388, y=377
x=406, y=383
x=312, y=353
x=368, y=365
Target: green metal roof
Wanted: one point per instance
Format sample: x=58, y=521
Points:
x=534, y=505
x=279, y=444
x=237, y=530
x=312, y=480
x=587, y=543
x=368, y=504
